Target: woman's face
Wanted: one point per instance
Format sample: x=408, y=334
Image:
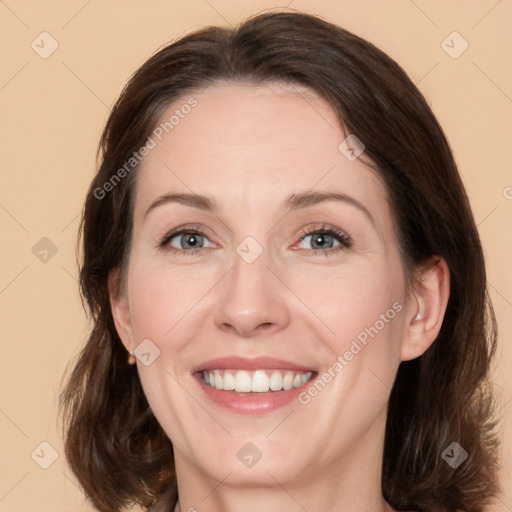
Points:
x=263, y=266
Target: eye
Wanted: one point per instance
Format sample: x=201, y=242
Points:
x=324, y=239
x=185, y=240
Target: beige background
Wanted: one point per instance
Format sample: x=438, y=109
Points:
x=53, y=111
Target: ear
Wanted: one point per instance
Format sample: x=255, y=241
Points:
x=120, y=309
x=426, y=308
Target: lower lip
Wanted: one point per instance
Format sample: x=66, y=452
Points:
x=252, y=403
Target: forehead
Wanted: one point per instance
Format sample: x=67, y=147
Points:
x=250, y=146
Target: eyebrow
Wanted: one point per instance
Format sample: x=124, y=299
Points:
x=294, y=202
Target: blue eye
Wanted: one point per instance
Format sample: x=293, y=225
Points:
x=324, y=239
x=191, y=241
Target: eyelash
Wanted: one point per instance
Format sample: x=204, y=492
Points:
x=343, y=238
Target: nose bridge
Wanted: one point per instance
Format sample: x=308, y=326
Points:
x=251, y=297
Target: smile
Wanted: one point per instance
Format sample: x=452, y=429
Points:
x=255, y=386
x=258, y=381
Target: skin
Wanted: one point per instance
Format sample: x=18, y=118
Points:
x=250, y=147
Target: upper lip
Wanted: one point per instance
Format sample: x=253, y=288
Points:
x=246, y=363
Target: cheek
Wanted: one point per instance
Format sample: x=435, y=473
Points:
x=160, y=299
x=354, y=301
x=165, y=309
x=359, y=321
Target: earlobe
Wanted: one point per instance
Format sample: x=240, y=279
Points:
x=431, y=291
x=120, y=310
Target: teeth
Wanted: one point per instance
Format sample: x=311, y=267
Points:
x=228, y=382
x=276, y=381
x=218, y=381
x=243, y=382
x=259, y=381
x=288, y=381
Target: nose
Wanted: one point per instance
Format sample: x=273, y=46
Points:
x=252, y=300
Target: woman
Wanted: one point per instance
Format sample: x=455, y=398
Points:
x=280, y=239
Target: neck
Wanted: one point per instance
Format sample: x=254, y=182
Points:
x=381, y=506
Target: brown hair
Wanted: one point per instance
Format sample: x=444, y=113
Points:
x=113, y=442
